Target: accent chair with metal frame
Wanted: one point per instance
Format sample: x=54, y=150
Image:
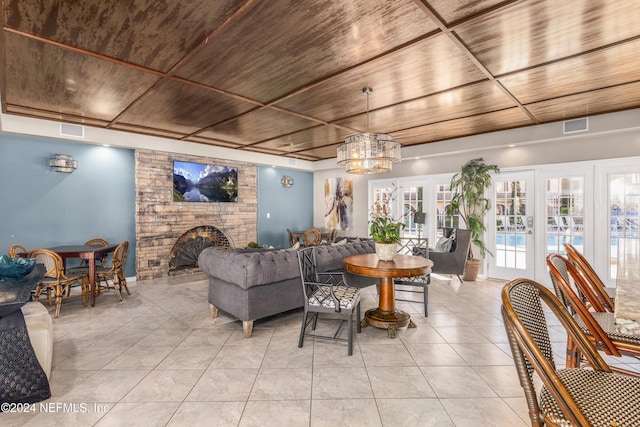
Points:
x=420, y=284
x=577, y=397
x=56, y=280
x=327, y=293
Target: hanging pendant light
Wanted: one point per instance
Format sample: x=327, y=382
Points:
x=368, y=153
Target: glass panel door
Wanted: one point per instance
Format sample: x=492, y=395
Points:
x=564, y=205
x=624, y=204
x=510, y=237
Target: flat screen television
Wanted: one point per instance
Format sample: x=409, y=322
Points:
x=197, y=182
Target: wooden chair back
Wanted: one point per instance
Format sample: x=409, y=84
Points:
x=527, y=331
x=15, y=250
x=577, y=303
x=51, y=261
x=312, y=237
x=602, y=301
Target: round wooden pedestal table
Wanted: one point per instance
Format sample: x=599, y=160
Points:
x=386, y=316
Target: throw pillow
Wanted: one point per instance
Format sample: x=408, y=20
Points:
x=341, y=242
x=445, y=244
x=295, y=246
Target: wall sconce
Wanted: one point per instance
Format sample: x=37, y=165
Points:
x=63, y=163
x=286, y=181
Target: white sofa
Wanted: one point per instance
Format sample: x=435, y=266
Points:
x=40, y=328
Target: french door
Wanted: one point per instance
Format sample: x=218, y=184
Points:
x=510, y=229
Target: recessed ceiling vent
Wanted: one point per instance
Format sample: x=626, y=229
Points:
x=576, y=125
x=76, y=131
x=292, y=162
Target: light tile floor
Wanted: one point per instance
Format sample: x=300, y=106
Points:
x=159, y=359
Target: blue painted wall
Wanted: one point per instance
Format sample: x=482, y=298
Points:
x=287, y=207
x=43, y=208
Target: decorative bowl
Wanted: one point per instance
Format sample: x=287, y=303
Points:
x=15, y=268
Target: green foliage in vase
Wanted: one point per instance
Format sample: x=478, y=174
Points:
x=382, y=226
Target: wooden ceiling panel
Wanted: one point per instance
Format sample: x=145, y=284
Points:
x=209, y=141
x=466, y=101
x=44, y=77
x=281, y=46
x=455, y=128
x=607, y=67
x=183, y=108
x=146, y=130
x=536, y=31
x=426, y=67
x=456, y=10
x=308, y=138
x=587, y=104
x=258, y=125
x=285, y=77
x=152, y=33
x=325, y=152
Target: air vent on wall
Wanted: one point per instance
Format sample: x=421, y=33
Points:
x=66, y=129
x=576, y=125
x=292, y=162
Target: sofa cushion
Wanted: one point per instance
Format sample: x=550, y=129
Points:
x=329, y=258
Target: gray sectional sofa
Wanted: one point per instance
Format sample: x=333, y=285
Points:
x=254, y=284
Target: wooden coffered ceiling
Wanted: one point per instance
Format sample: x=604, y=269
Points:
x=285, y=77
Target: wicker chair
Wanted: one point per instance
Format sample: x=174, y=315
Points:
x=332, y=296
x=598, y=326
x=312, y=237
x=15, y=250
x=568, y=397
x=605, y=295
x=115, y=272
x=56, y=280
x=290, y=236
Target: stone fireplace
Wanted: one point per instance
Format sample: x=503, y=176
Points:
x=160, y=221
x=184, y=253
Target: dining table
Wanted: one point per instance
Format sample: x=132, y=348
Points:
x=89, y=253
x=386, y=315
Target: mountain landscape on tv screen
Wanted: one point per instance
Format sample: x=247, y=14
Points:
x=196, y=182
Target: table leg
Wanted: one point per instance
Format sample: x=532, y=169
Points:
x=92, y=281
x=386, y=316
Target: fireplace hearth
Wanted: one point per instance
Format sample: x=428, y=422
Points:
x=184, y=254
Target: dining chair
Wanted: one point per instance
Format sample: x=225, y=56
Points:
x=16, y=249
x=312, y=237
x=326, y=293
x=290, y=236
x=605, y=295
x=567, y=397
x=55, y=279
x=415, y=284
x=599, y=327
x=115, y=272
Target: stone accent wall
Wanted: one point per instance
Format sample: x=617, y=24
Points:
x=160, y=220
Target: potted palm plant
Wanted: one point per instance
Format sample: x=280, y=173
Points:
x=469, y=202
x=385, y=230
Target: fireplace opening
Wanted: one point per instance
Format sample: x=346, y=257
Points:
x=184, y=254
